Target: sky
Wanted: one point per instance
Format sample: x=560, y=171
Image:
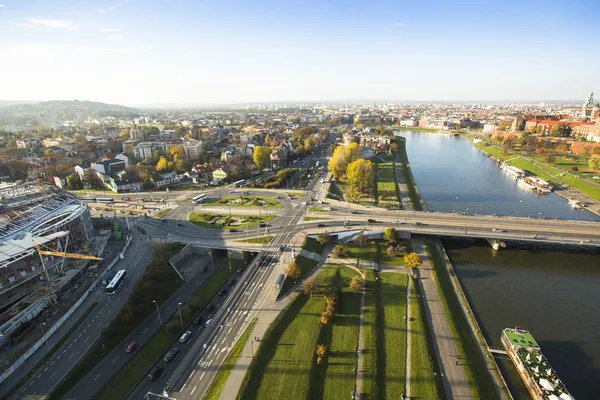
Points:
x=136, y=52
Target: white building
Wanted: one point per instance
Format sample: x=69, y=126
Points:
x=145, y=150
x=167, y=179
x=489, y=128
x=409, y=122
x=193, y=148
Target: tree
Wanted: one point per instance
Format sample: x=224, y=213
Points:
x=342, y=156
x=293, y=271
x=162, y=164
x=361, y=240
x=390, y=234
x=341, y=251
x=353, y=194
x=357, y=283
x=359, y=174
x=261, y=156
x=320, y=352
x=505, y=125
x=177, y=151
x=391, y=251
x=92, y=179
x=74, y=182
x=412, y=259
x=594, y=162
x=323, y=238
x=309, y=285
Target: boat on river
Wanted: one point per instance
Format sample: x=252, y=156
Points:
x=514, y=171
x=541, y=379
x=537, y=184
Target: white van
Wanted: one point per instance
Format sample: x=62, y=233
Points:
x=185, y=337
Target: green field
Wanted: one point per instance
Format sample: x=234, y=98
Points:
x=218, y=383
x=222, y=221
x=285, y=364
x=144, y=358
x=386, y=186
x=260, y=240
x=376, y=250
x=475, y=368
x=161, y=213
x=314, y=218
x=372, y=360
x=245, y=201
x=424, y=384
x=306, y=264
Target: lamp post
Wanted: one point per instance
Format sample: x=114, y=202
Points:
x=158, y=312
x=466, y=218
x=180, y=317
x=252, y=347
x=537, y=228
x=229, y=258
x=44, y=334
x=212, y=261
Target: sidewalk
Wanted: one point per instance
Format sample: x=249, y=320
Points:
x=453, y=375
x=406, y=205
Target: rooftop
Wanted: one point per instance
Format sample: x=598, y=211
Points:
x=521, y=338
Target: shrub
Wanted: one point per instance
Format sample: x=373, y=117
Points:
x=341, y=251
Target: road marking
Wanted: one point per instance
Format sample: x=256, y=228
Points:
x=202, y=376
x=144, y=331
x=72, y=354
x=53, y=374
x=64, y=351
x=86, y=339
x=84, y=331
x=99, y=324
x=46, y=369
x=96, y=378
x=52, y=363
x=193, y=390
x=39, y=375
x=57, y=358
x=115, y=360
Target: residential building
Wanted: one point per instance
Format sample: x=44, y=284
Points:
x=26, y=143
x=193, y=149
x=52, y=142
x=247, y=151
x=144, y=150
x=168, y=179
x=409, y=122
x=109, y=166
x=60, y=182
x=248, y=138
x=123, y=158
x=128, y=146
x=367, y=119
x=489, y=128
x=137, y=134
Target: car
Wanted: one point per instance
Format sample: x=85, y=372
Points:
x=156, y=373
x=209, y=322
x=347, y=223
x=233, y=281
x=222, y=292
x=203, y=270
x=282, y=248
x=262, y=225
x=185, y=337
x=321, y=225
x=419, y=223
x=210, y=307
x=279, y=197
x=131, y=348
x=245, y=194
x=497, y=230
x=233, y=230
x=165, y=220
x=353, y=212
x=371, y=221
x=398, y=222
x=199, y=321
x=179, y=224
x=240, y=270
x=171, y=355
x=303, y=203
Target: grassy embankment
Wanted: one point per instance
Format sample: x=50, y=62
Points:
x=130, y=374
x=285, y=363
x=218, y=383
x=475, y=369
x=386, y=186
x=259, y=240
x=376, y=251
x=413, y=192
x=245, y=201
x=161, y=214
x=557, y=173
x=313, y=218
x=222, y=221
x=424, y=384
x=306, y=264
x=385, y=335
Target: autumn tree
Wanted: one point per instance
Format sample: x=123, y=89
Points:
x=361, y=240
x=320, y=352
x=92, y=179
x=412, y=260
x=357, y=283
x=341, y=251
x=162, y=164
x=309, y=285
x=359, y=174
x=293, y=271
x=323, y=238
x=177, y=151
x=342, y=156
x=390, y=234
x=594, y=162
x=74, y=182
x=261, y=156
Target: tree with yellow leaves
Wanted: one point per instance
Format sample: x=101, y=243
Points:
x=412, y=260
x=162, y=164
x=359, y=174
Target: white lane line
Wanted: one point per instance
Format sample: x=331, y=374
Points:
x=96, y=378
x=39, y=375
x=99, y=324
x=53, y=374
x=86, y=339
x=193, y=390
x=57, y=358
x=144, y=331
x=52, y=363
x=46, y=369
x=115, y=360
x=202, y=376
x=72, y=354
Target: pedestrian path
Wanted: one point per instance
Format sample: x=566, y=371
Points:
x=403, y=188
x=408, y=341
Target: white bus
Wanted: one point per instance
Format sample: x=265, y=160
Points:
x=239, y=183
x=201, y=198
x=106, y=200
x=116, y=281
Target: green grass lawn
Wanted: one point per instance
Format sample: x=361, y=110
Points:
x=424, y=385
x=286, y=356
x=340, y=377
x=260, y=240
x=144, y=358
x=413, y=193
x=245, y=201
x=218, y=382
x=161, y=213
x=372, y=374
x=377, y=251
x=312, y=245
x=314, y=218
x=211, y=221
x=317, y=209
x=476, y=371
x=306, y=264
x=386, y=186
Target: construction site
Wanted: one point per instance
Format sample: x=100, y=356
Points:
x=50, y=254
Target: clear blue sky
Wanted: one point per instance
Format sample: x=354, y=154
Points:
x=220, y=51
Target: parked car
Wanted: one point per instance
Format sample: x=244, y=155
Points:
x=232, y=282
x=222, y=292
x=321, y=225
x=203, y=270
x=210, y=307
x=185, y=337
x=131, y=348
x=156, y=373
x=199, y=321
x=171, y=355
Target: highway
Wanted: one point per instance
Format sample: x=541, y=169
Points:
x=57, y=367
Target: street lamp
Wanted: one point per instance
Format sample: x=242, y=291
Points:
x=180, y=317
x=44, y=334
x=537, y=228
x=158, y=312
x=212, y=261
x=229, y=258
x=466, y=217
x=252, y=347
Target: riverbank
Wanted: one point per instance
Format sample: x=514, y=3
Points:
x=413, y=190
x=567, y=187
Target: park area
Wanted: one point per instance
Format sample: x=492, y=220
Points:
x=245, y=201
x=221, y=221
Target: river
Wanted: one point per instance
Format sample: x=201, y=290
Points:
x=552, y=291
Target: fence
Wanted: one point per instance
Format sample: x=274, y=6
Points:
x=62, y=320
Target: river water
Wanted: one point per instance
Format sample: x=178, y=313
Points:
x=551, y=290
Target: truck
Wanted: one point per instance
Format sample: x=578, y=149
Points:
x=279, y=281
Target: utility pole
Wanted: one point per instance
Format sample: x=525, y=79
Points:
x=212, y=260
x=180, y=317
x=44, y=334
x=158, y=311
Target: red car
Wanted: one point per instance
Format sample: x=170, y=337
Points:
x=132, y=346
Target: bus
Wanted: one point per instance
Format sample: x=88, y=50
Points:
x=106, y=200
x=116, y=281
x=201, y=198
x=239, y=183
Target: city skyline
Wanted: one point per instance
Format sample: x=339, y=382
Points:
x=134, y=53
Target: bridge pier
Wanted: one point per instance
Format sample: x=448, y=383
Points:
x=496, y=243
